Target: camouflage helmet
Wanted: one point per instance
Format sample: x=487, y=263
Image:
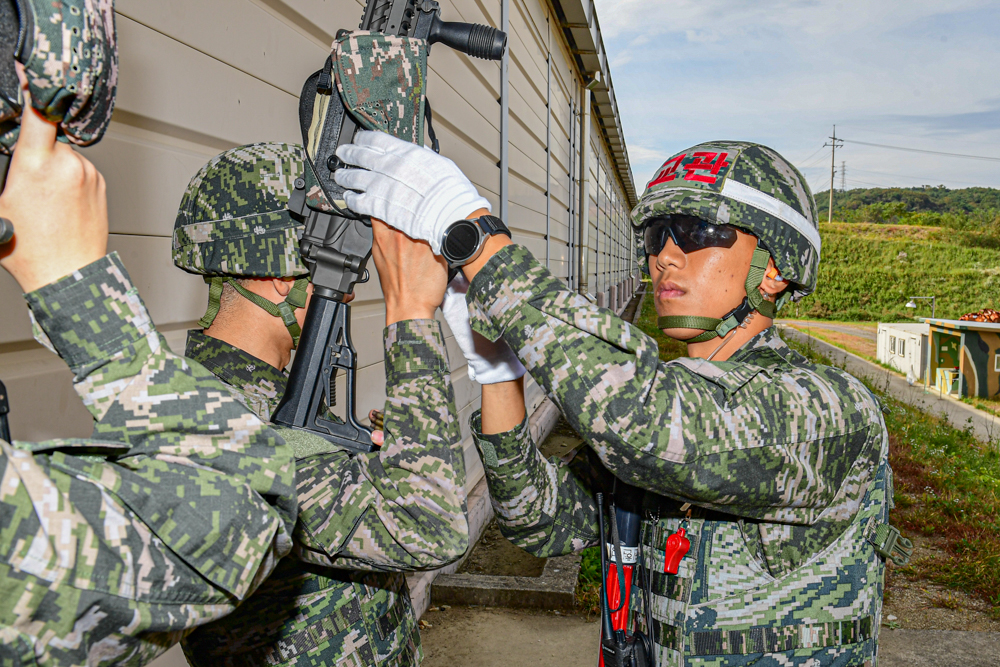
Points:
x=748, y=186
x=70, y=57
x=234, y=223
x=234, y=218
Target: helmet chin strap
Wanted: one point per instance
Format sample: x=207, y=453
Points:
x=285, y=309
x=718, y=328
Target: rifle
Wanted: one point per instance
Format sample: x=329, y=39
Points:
x=337, y=243
x=619, y=647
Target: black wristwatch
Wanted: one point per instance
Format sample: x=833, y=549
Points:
x=463, y=240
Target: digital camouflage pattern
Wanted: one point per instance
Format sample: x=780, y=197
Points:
x=724, y=606
x=412, y=490
x=70, y=57
x=234, y=219
x=316, y=199
x=794, y=451
x=381, y=79
x=316, y=617
x=180, y=506
x=256, y=383
x=705, y=181
x=399, y=509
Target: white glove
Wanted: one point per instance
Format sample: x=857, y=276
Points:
x=408, y=187
x=489, y=363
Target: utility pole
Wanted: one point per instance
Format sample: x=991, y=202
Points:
x=843, y=176
x=833, y=167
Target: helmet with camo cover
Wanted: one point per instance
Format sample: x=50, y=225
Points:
x=750, y=187
x=234, y=223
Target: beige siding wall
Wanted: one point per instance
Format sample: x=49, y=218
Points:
x=610, y=257
x=199, y=77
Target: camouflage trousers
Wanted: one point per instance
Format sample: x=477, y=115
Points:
x=320, y=617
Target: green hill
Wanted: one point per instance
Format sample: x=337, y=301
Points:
x=891, y=243
x=974, y=209
x=868, y=271
x=922, y=199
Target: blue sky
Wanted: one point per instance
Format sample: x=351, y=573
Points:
x=908, y=73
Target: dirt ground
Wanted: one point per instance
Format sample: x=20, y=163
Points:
x=495, y=555
x=919, y=605
x=495, y=637
x=855, y=338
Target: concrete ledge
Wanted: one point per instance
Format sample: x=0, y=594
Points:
x=554, y=589
x=938, y=648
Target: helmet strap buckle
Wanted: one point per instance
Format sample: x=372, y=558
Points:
x=285, y=309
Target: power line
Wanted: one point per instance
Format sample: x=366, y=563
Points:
x=874, y=185
x=921, y=150
x=811, y=156
x=881, y=132
x=816, y=160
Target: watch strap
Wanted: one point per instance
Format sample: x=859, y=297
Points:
x=492, y=225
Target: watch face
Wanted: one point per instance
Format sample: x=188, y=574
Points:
x=460, y=241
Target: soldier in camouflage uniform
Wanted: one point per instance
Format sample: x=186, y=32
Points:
x=365, y=518
x=775, y=466
x=112, y=548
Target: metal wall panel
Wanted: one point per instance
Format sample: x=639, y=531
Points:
x=199, y=77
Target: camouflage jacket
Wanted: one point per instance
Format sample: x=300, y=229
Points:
x=257, y=384
x=765, y=436
x=784, y=463
x=113, y=548
x=402, y=508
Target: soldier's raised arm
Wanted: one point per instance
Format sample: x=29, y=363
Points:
x=112, y=548
x=400, y=508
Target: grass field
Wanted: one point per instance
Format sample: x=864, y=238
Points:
x=868, y=271
x=991, y=405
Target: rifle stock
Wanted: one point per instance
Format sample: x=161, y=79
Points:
x=336, y=245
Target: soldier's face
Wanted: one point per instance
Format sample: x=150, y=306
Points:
x=708, y=282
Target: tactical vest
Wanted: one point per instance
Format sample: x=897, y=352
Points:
x=723, y=608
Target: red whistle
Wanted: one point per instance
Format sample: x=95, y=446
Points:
x=676, y=548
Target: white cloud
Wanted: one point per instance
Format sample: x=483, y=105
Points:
x=783, y=71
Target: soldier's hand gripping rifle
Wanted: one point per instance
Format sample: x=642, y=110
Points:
x=375, y=79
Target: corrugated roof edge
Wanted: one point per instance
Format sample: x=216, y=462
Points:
x=578, y=20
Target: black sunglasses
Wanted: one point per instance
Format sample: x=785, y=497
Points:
x=688, y=232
